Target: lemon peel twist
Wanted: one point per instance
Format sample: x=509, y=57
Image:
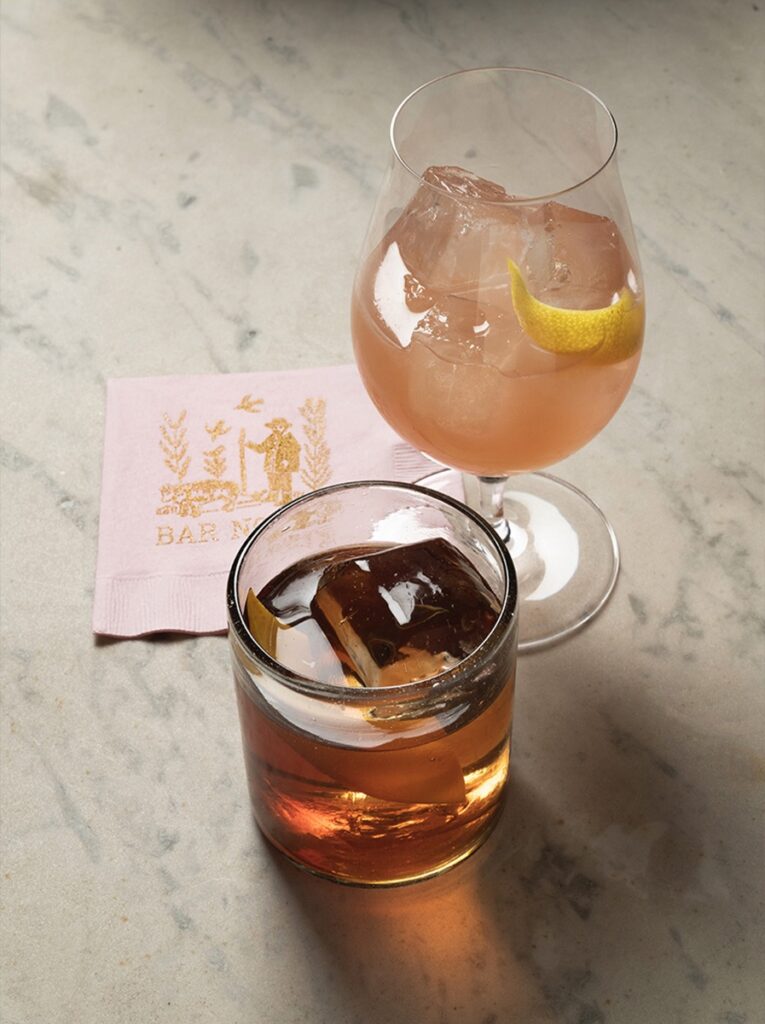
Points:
x=615, y=331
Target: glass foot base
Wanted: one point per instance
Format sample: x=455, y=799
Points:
x=564, y=549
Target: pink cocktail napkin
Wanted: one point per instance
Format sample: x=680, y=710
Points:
x=192, y=464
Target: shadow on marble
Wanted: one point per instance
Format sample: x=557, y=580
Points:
x=565, y=916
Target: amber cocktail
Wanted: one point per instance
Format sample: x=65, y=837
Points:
x=373, y=632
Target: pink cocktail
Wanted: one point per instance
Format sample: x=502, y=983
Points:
x=498, y=312
x=439, y=343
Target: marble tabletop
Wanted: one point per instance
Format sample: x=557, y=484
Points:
x=185, y=188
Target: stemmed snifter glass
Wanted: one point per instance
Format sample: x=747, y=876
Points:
x=498, y=314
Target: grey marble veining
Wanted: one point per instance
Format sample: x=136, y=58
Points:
x=184, y=189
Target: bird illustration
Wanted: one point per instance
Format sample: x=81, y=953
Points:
x=218, y=430
x=250, y=404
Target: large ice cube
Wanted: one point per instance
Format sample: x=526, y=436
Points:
x=454, y=328
x=576, y=260
x=404, y=613
x=452, y=387
x=456, y=234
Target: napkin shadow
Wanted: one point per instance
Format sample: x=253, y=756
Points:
x=174, y=637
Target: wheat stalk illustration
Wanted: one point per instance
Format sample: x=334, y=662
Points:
x=174, y=445
x=215, y=462
x=316, y=468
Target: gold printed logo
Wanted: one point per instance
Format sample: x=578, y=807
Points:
x=173, y=444
x=250, y=404
x=270, y=463
x=315, y=472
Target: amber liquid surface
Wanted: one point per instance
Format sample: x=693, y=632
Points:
x=440, y=348
x=379, y=792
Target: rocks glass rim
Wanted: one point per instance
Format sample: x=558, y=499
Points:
x=457, y=675
x=510, y=201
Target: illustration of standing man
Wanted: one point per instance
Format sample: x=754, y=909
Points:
x=282, y=459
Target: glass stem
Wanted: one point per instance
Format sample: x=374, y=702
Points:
x=491, y=504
